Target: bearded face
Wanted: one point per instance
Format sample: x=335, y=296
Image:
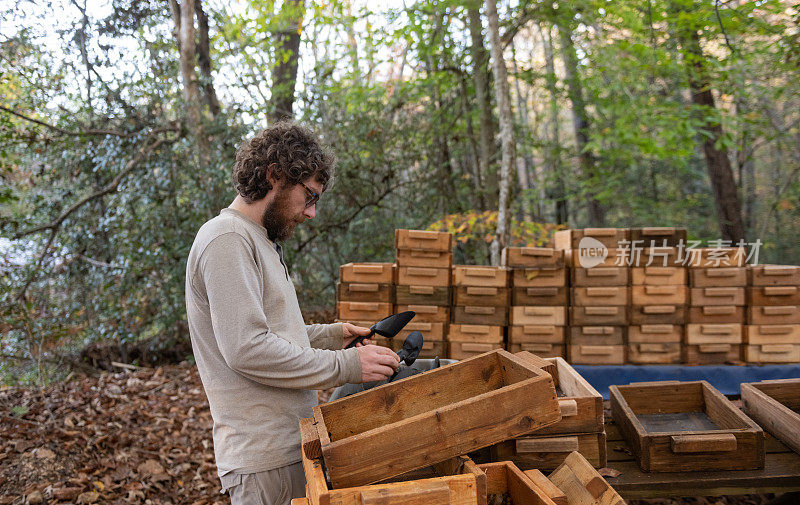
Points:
x=279, y=218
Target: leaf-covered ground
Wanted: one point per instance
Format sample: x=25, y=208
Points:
x=129, y=437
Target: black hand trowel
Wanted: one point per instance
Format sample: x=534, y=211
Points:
x=412, y=346
x=387, y=327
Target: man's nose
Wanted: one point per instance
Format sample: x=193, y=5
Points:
x=310, y=212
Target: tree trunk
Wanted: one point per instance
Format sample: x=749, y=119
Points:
x=524, y=162
x=480, y=61
x=204, y=59
x=478, y=194
x=554, y=151
x=723, y=184
x=284, y=71
x=580, y=122
x=506, y=131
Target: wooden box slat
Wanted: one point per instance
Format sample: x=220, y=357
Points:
x=432, y=349
x=450, y=411
x=658, y=237
x=772, y=353
x=773, y=275
x=463, y=350
x=651, y=416
x=596, y=316
x=773, y=295
x=582, y=484
x=784, y=314
x=548, y=452
x=585, y=354
x=504, y=478
x=731, y=277
x=772, y=334
x=665, y=353
x=364, y=292
x=600, y=296
x=657, y=314
x=475, y=333
x=376, y=273
x=775, y=405
x=423, y=239
x=655, y=333
x=540, y=296
x=472, y=275
x=426, y=313
x=715, y=257
x=600, y=276
x=609, y=237
x=532, y=257
x=614, y=258
x=700, y=297
x=482, y=296
x=424, y=258
x=586, y=414
x=597, y=335
x=364, y=311
x=716, y=314
x=712, y=354
x=422, y=295
x=542, y=349
x=659, y=295
x=658, y=276
x=555, y=316
x=496, y=316
x=714, y=333
x=423, y=276
x=539, y=277
x=532, y=333
x=430, y=331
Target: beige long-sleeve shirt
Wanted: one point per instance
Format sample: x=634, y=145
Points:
x=258, y=360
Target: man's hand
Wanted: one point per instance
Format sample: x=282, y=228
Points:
x=377, y=362
x=352, y=331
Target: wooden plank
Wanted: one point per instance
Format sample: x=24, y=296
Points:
x=716, y=314
x=377, y=273
x=700, y=297
x=551, y=296
x=550, y=489
x=533, y=333
x=472, y=275
x=703, y=442
x=316, y=485
x=412, y=493
x=718, y=277
x=783, y=314
x=423, y=276
x=504, y=477
x=595, y=296
x=583, y=484
x=482, y=296
x=600, y=276
x=475, y=333
x=595, y=316
x=657, y=314
x=524, y=450
x=364, y=292
x=533, y=257
x=426, y=313
x=495, y=316
x=422, y=295
x=773, y=275
x=423, y=239
x=659, y=295
x=658, y=276
x=778, y=418
x=364, y=311
x=424, y=258
x=547, y=316
x=539, y=277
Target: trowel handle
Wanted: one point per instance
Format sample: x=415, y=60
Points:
x=360, y=339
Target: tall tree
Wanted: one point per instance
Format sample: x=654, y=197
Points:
x=287, y=57
x=506, y=131
x=553, y=155
x=480, y=65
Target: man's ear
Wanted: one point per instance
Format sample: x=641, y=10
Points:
x=272, y=177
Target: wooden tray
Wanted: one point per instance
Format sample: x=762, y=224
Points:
x=787, y=314
x=731, y=277
x=483, y=296
x=364, y=292
x=772, y=334
x=773, y=275
x=376, y=273
x=700, y=297
x=422, y=239
x=775, y=405
x=539, y=277
x=771, y=353
x=364, y=311
x=555, y=494
x=431, y=349
x=581, y=405
x=658, y=276
x=471, y=275
x=585, y=354
x=430, y=331
x=426, y=313
x=504, y=478
x=600, y=296
x=540, y=296
x=424, y=258
x=427, y=418
x=547, y=452
x=422, y=295
x=658, y=237
x=454, y=482
x=597, y=335
x=597, y=316
x=581, y=483
x=476, y=333
x=615, y=258
x=712, y=354
x=532, y=257
x=423, y=276
x=659, y=295
x=773, y=295
x=681, y=426
x=657, y=314
x=542, y=349
x=714, y=333
x=463, y=350
x=609, y=237
x=716, y=314
x=532, y=333
x=555, y=316
x=496, y=316
x=662, y=353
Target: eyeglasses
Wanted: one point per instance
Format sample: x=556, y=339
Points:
x=312, y=197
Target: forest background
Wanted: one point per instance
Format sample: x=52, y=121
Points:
x=500, y=122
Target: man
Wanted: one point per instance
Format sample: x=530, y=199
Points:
x=259, y=362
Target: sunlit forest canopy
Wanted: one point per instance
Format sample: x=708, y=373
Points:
x=119, y=123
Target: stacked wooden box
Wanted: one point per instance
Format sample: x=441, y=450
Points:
x=539, y=297
x=598, y=312
x=365, y=295
x=539, y=300
x=659, y=294
x=772, y=334
x=479, y=310
x=717, y=306
x=581, y=427
x=424, y=261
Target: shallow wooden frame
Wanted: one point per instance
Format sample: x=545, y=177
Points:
x=457, y=481
x=774, y=405
x=504, y=477
x=427, y=418
x=738, y=444
x=582, y=484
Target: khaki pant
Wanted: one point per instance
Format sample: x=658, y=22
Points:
x=272, y=487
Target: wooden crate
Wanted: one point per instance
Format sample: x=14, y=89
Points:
x=585, y=354
x=598, y=316
x=772, y=334
x=363, y=311
x=424, y=419
x=657, y=314
x=653, y=333
x=600, y=276
x=600, y=296
x=725, y=277
x=614, y=258
x=533, y=333
x=655, y=353
x=532, y=257
x=424, y=258
x=548, y=452
x=421, y=239
x=609, y=237
x=716, y=314
x=658, y=237
x=771, y=353
x=453, y=482
x=658, y=276
x=426, y=313
x=659, y=295
x=773, y=295
x=685, y=426
x=555, y=316
x=504, y=479
x=539, y=277
x=471, y=275
x=715, y=257
x=464, y=350
x=775, y=405
x=773, y=275
x=789, y=314
x=496, y=316
x=597, y=335
x=372, y=273
x=422, y=295
x=476, y=333
x=432, y=348
x=714, y=333
x=700, y=297
x=483, y=296
x=550, y=489
x=540, y=296
x=423, y=276
x=541, y=349
x=362, y=292
x=430, y=331
x=581, y=404
x=712, y=354
x=582, y=485
x=656, y=257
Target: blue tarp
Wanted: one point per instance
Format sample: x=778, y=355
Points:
x=725, y=378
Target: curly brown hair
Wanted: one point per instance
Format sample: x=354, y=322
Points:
x=288, y=152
